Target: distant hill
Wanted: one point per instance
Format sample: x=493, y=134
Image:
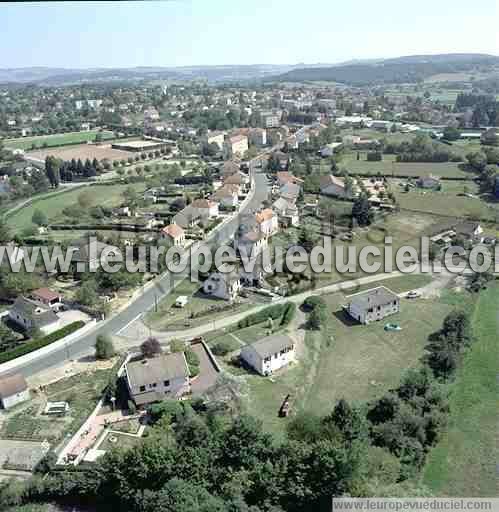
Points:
x=399, y=70
x=61, y=76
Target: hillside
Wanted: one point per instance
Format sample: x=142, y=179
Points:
x=399, y=70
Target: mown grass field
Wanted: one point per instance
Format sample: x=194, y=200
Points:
x=348, y=360
x=447, y=201
x=60, y=139
x=388, y=167
x=464, y=463
x=102, y=195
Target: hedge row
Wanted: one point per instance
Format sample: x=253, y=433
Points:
x=31, y=346
x=284, y=311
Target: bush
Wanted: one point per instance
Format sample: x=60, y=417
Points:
x=41, y=342
x=286, y=311
x=132, y=408
x=170, y=408
x=192, y=362
x=313, y=302
x=222, y=348
x=104, y=348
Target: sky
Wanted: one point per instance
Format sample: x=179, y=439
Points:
x=211, y=32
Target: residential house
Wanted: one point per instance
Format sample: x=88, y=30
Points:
x=30, y=314
x=251, y=243
x=284, y=177
x=334, y=186
x=239, y=179
x=469, y=231
x=206, y=208
x=88, y=253
x=287, y=212
x=151, y=114
x=187, y=218
x=174, y=234
x=267, y=222
x=269, y=354
x=236, y=145
x=216, y=138
x=229, y=167
x=227, y=196
x=374, y=304
x=429, y=182
x=13, y=390
x=223, y=285
x=258, y=136
x=270, y=119
x=330, y=149
x=159, y=378
x=48, y=297
x=290, y=192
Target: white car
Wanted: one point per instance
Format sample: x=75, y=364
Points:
x=413, y=294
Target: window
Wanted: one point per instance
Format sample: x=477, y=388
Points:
x=166, y=383
x=142, y=388
x=153, y=385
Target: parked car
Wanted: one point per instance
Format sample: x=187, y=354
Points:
x=393, y=327
x=413, y=294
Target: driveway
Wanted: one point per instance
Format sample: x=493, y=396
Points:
x=73, y=315
x=208, y=374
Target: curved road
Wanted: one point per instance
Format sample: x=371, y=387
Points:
x=152, y=292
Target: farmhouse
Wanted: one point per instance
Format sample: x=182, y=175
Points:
x=159, y=378
x=30, y=314
x=13, y=390
x=374, y=304
x=269, y=354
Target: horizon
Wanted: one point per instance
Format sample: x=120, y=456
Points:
x=189, y=33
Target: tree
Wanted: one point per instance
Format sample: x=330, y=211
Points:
x=39, y=218
x=451, y=133
x=314, y=320
x=361, y=211
x=87, y=293
x=85, y=199
x=104, y=348
x=5, y=235
x=150, y=347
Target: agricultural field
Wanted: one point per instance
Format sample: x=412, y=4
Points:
x=82, y=151
x=464, y=461
x=389, y=167
x=450, y=200
x=348, y=360
x=60, y=139
x=52, y=207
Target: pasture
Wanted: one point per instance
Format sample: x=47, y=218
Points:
x=58, y=139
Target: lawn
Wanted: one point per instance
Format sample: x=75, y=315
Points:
x=81, y=391
x=447, y=201
x=464, y=461
x=59, y=139
x=116, y=440
x=102, y=195
x=206, y=309
x=389, y=167
x=347, y=360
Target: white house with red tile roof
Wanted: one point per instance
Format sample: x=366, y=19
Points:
x=174, y=234
x=267, y=221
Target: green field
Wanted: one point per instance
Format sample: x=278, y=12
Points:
x=59, y=139
x=207, y=309
x=464, y=461
x=348, y=360
x=447, y=201
x=389, y=167
x=102, y=195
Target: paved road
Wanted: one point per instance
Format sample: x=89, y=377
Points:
x=146, y=300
